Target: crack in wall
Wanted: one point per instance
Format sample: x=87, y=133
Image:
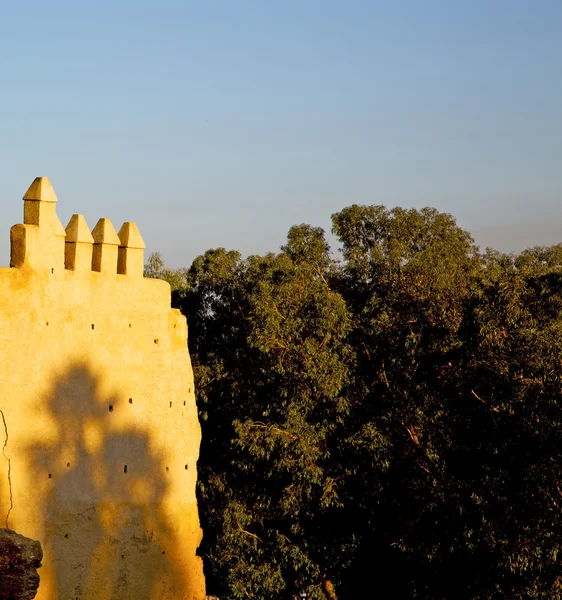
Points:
x=9, y=466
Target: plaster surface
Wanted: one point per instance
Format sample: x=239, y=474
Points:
x=98, y=421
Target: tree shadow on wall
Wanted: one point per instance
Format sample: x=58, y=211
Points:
x=106, y=536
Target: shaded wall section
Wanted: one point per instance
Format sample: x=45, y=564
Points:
x=98, y=426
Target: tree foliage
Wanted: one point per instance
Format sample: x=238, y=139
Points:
x=387, y=424
x=155, y=268
x=271, y=408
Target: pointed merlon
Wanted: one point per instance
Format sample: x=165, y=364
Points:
x=41, y=190
x=104, y=233
x=77, y=230
x=106, y=247
x=131, y=251
x=79, y=245
x=130, y=236
x=40, y=211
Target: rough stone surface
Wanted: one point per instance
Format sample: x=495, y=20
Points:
x=20, y=557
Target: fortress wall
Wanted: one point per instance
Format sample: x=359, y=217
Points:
x=96, y=393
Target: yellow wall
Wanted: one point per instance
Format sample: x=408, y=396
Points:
x=95, y=380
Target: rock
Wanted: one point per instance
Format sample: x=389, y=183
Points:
x=20, y=557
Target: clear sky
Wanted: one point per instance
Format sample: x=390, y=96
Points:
x=223, y=123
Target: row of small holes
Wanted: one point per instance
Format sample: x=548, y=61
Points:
x=156, y=341
x=131, y=401
x=93, y=327
x=124, y=469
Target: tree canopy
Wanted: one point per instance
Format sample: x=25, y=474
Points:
x=388, y=423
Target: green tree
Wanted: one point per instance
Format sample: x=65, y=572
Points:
x=390, y=424
x=406, y=277
x=504, y=419
x=456, y=397
x=156, y=269
x=271, y=363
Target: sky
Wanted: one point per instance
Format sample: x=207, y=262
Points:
x=223, y=123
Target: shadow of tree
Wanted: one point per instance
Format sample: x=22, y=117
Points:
x=106, y=534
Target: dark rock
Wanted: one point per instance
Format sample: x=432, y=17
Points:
x=20, y=557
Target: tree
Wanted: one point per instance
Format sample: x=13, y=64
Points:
x=271, y=361
x=156, y=269
x=456, y=443
x=505, y=448
x=389, y=423
x=406, y=277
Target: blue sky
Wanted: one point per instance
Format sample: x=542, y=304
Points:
x=223, y=123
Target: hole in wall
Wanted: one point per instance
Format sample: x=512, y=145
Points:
x=122, y=556
x=185, y=467
x=66, y=536
x=167, y=469
x=50, y=475
x=130, y=326
x=163, y=551
x=156, y=341
x=92, y=325
x=111, y=408
x=130, y=400
x=175, y=325
x=52, y=271
x=189, y=390
x=47, y=323
x=125, y=469
x=184, y=402
x=170, y=405
x=68, y=464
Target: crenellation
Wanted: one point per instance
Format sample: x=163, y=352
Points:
x=106, y=245
x=23, y=244
x=39, y=242
x=78, y=248
x=131, y=251
x=40, y=207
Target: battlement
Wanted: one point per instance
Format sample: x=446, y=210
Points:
x=41, y=242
